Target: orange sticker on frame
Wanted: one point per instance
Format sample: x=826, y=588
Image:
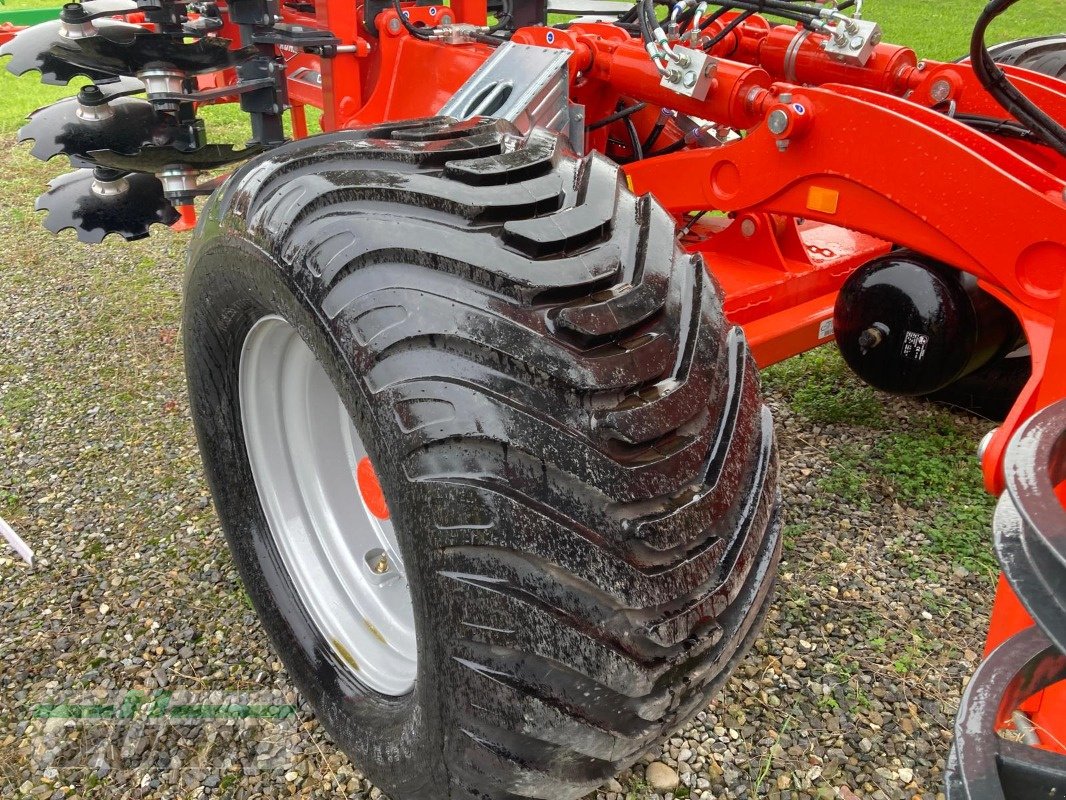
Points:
x=823, y=200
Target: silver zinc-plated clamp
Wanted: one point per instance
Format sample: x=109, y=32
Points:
x=692, y=75
x=852, y=41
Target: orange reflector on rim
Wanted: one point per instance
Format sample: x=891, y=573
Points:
x=370, y=489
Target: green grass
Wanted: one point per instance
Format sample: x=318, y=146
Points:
x=637, y=790
x=817, y=385
x=14, y=5
x=927, y=465
x=933, y=467
x=941, y=30
x=926, y=462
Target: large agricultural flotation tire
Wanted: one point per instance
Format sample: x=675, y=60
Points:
x=1043, y=54
x=492, y=465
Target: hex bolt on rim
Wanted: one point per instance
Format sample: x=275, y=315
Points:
x=325, y=509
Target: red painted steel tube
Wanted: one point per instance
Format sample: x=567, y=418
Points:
x=736, y=97
x=795, y=55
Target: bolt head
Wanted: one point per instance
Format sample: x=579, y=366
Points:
x=747, y=227
x=778, y=121
x=940, y=91
x=394, y=25
x=689, y=79
x=73, y=12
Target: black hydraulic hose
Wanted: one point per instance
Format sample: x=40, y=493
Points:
x=622, y=113
x=411, y=29
x=491, y=41
x=642, y=18
x=716, y=15
x=684, y=20
x=998, y=127
x=691, y=222
x=647, y=8
x=780, y=8
x=760, y=8
x=634, y=139
x=631, y=15
x=673, y=147
x=424, y=33
x=500, y=22
x=653, y=137
x=728, y=29
x=1005, y=93
x=774, y=6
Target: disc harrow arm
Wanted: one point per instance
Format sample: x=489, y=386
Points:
x=150, y=158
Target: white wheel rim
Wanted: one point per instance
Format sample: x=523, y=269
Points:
x=343, y=559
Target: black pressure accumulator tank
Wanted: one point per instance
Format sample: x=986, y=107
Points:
x=909, y=325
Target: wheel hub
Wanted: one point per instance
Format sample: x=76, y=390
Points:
x=325, y=508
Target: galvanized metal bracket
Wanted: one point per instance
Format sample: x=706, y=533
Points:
x=526, y=85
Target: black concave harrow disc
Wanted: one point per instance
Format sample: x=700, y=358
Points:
x=984, y=765
x=127, y=52
x=58, y=59
x=123, y=124
x=155, y=159
x=1031, y=541
x=95, y=203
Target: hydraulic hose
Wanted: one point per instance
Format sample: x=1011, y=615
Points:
x=1005, y=93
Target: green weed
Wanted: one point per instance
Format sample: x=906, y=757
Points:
x=820, y=386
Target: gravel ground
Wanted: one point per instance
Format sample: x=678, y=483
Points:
x=850, y=692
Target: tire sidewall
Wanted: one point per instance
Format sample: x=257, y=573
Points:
x=230, y=286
